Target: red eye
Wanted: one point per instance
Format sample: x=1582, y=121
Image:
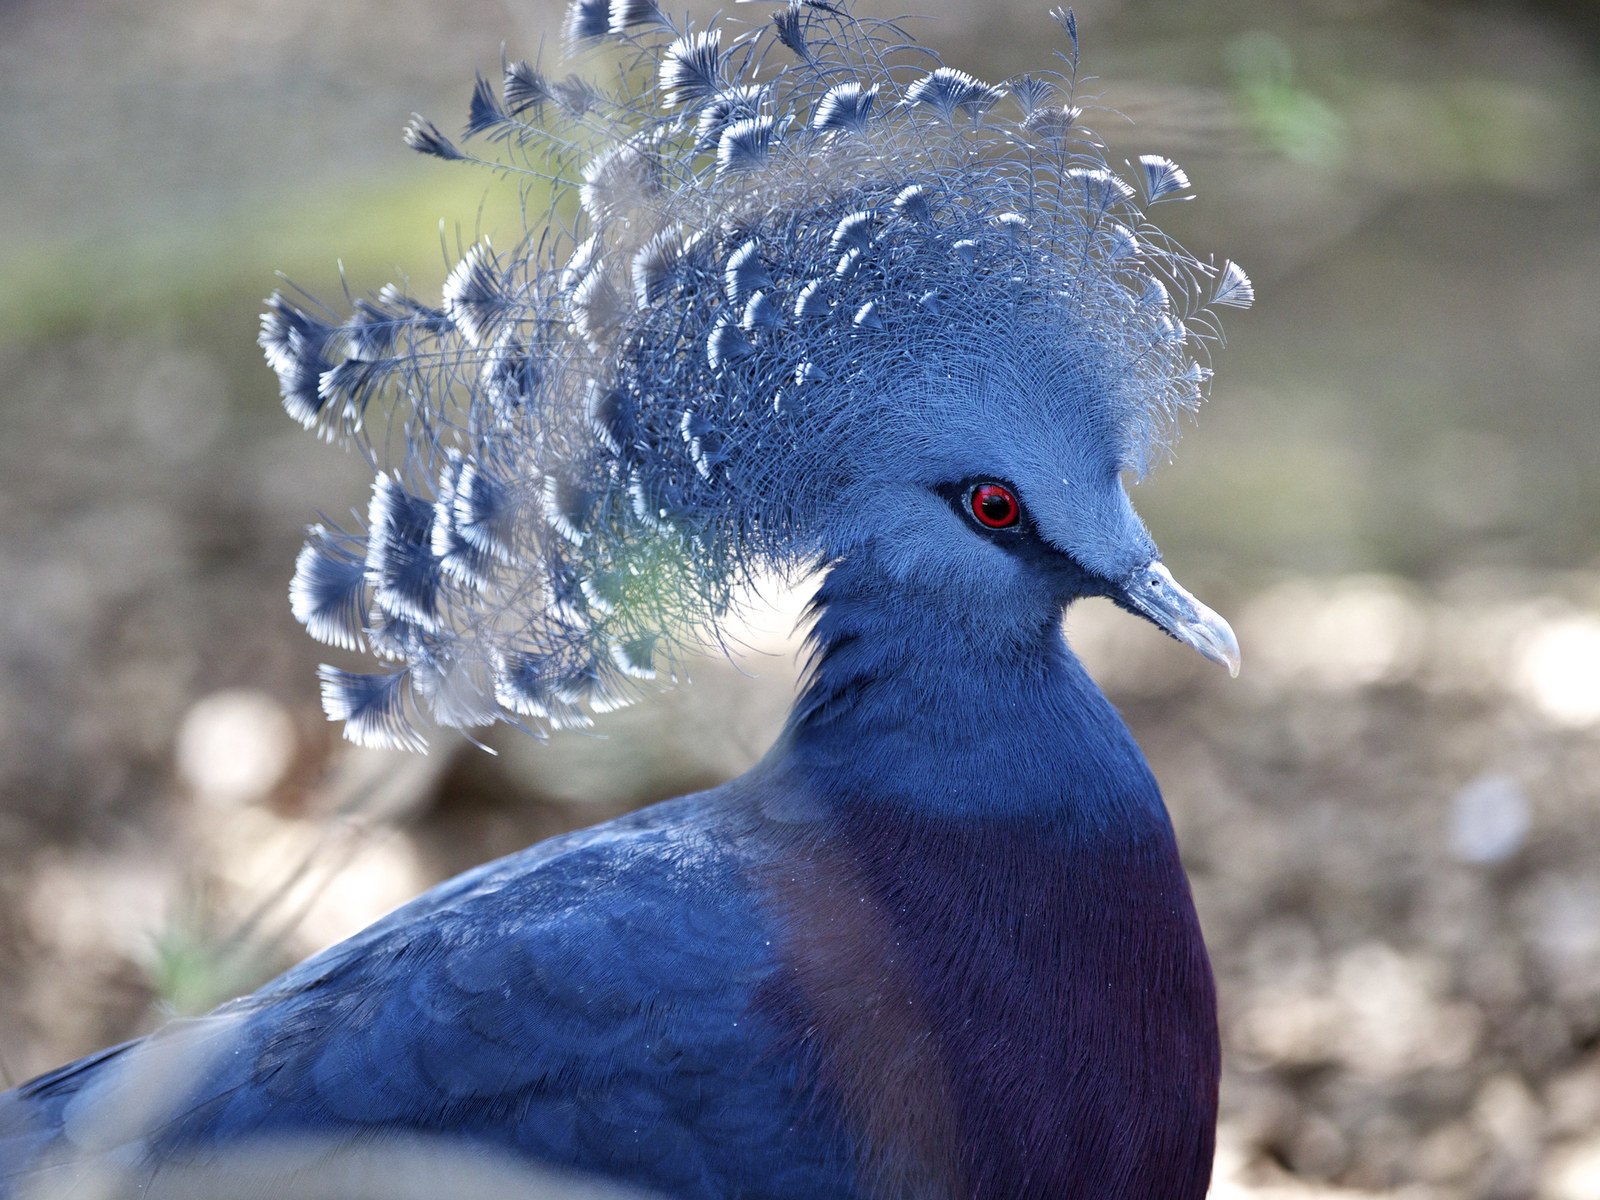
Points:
x=994, y=506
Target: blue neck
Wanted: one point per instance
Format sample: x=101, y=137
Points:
x=990, y=958
x=961, y=715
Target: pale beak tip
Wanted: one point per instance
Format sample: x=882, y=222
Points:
x=1215, y=639
x=1155, y=593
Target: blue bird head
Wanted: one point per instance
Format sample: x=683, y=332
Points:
x=804, y=294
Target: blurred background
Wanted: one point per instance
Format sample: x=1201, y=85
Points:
x=1392, y=818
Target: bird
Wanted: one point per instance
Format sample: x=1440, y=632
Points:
x=795, y=300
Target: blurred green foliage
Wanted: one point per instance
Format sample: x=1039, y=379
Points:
x=155, y=277
x=1286, y=116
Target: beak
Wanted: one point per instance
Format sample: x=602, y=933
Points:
x=1152, y=592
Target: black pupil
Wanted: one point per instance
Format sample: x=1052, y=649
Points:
x=995, y=505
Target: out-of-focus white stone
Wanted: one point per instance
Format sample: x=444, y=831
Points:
x=234, y=747
x=1489, y=819
x=1573, y=1171
x=1556, y=668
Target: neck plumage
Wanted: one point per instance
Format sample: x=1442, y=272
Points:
x=961, y=714
x=992, y=959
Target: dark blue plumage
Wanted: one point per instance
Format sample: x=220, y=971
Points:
x=845, y=314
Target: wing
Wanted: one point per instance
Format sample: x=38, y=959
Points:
x=586, y=1004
